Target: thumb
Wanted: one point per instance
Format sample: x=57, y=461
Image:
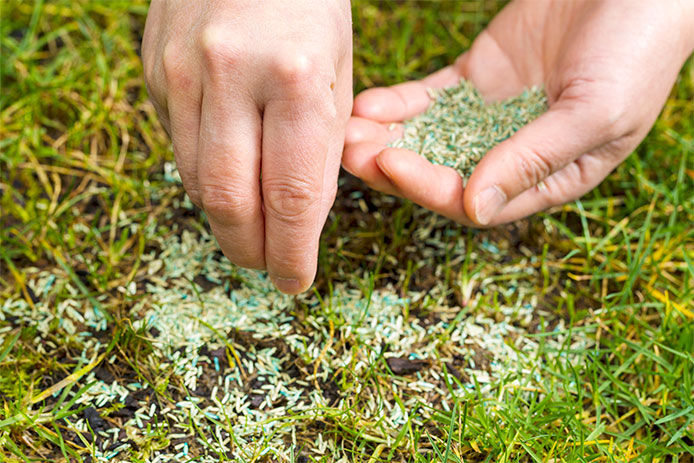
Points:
x=555, y=139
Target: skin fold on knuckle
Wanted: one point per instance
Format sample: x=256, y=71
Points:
x=616, y=120
x=301, y=74
x=532, y=167
x=570, y=183
x=220, y=51
x=226, y=205
x=155, y=87
x=582, y=174
x=558, y=188
x=175, y=74
x=295, y=66
x=290, y=200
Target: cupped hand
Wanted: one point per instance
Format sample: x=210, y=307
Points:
x=256, y=97
x=607, y=67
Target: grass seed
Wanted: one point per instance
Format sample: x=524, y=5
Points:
x=459, y=126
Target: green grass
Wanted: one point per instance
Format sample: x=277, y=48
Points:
x=84, y=196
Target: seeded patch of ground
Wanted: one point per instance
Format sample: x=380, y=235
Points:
x=126, y=335
x=460, y=127
x=238, y=371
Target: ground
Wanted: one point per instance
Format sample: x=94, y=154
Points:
x=126, y=336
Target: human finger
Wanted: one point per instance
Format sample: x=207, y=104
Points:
x=402, y=101
x=360, y=129
x=297, y=132
x=566, y=185
x=435, y=187
x=569, y=129
x=184, y=99
x=228, y=163
x=359, y=159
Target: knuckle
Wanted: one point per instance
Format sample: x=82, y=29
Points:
x=218, y=49
x=563, y=186
x=226, y=205
x=173, y=65
x=533, y=166
x=552, y=191
x=296, y=67
x=612, y=112
x=290, y=200
x=610, y=116
x=615, y=123
x=155, y=87
x=583, y=172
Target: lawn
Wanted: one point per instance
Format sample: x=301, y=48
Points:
x=125, y=335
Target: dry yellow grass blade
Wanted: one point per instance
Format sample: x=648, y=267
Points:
x=71, y=379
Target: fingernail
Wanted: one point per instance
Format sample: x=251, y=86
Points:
x=488, y=204
x=384, y=170
x=287, y=285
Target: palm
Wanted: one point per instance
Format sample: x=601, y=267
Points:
x=577, y=53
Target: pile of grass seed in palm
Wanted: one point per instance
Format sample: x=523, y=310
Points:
x=459, y=127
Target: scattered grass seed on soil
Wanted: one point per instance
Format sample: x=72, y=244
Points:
x=459, y=127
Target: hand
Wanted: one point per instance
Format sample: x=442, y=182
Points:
x=256, y=97
x=607, y=67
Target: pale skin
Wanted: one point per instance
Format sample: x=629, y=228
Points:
x=257, y=97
